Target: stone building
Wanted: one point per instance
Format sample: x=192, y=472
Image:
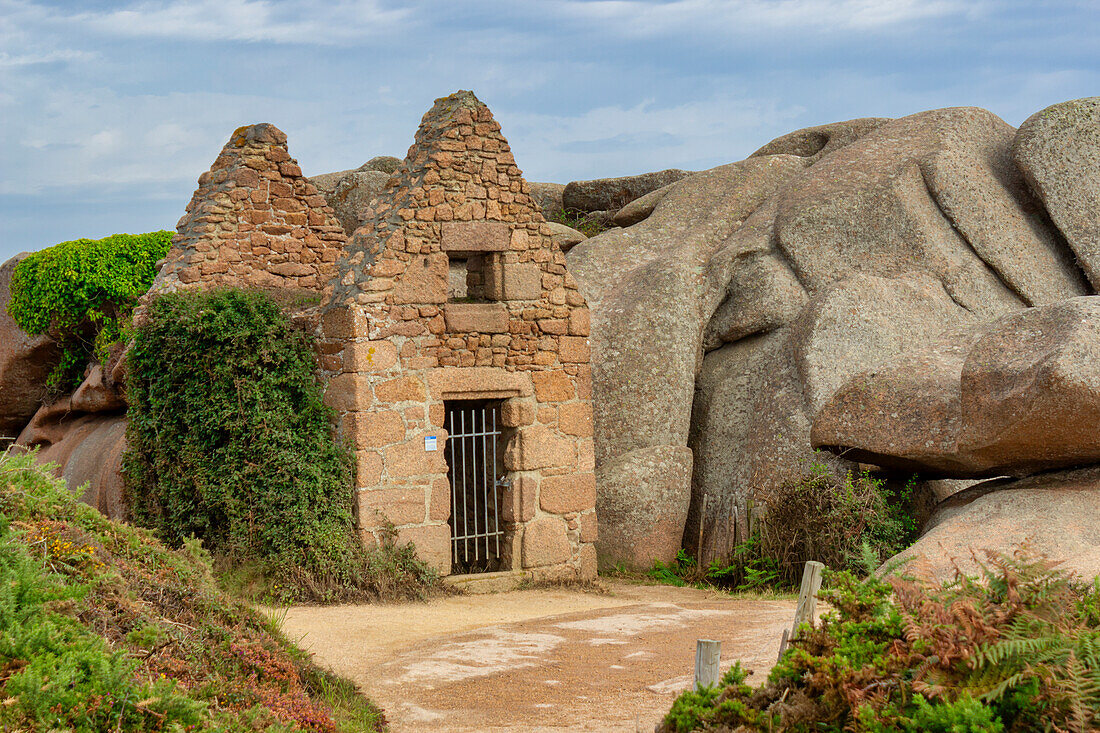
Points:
x=254, y=221
x=457, y=348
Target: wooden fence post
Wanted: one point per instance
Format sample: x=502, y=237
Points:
x=807, y=596
x=707, y=655
x=699, y=547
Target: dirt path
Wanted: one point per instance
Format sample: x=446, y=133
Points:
x=537, y=660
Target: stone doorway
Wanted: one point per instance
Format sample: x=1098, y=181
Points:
x=480, y=542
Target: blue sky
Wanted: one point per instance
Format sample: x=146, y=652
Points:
x=109, y=111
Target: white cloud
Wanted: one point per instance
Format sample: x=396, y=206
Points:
x=11, y=61
x=741, y=17
x=620, y=140
x=321, y=22
x=100, y=138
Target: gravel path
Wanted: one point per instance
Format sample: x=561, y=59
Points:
x=537, y=660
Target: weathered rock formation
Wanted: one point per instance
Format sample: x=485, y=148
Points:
x=1014, y=397
x=350, y=192
x=651, y=290
x=25, y=363
x=565, y=237
x=1053, y=515
x=547, y=196
x=84, y=435
x=748, y=298
x=1058, y=150
x=814, y=142
x=612, y=194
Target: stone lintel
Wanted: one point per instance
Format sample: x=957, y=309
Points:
x=476, y=317
x=477, y=383
x=476, y=236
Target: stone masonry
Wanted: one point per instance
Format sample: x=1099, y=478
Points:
x=254, y=222
x=453, y=290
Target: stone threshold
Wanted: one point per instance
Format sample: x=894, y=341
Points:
x=497, y=582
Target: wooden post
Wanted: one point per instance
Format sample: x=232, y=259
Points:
x=707, y=654
x=735, y=521
x=782, y=646
x=699, y=547
x=807, y=596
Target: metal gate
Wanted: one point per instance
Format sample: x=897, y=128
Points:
x=477, y=534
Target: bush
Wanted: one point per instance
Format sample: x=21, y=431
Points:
x=102, y=628
x=854, y=522
x=1015, y=649
x=587, y=224
x=844, y=522
x=228, y=441
x=82, y=292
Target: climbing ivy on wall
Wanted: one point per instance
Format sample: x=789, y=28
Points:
x=82, y=292
x=229, y=441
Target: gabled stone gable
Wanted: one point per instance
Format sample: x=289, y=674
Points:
x=254, y=221
x=396, y=349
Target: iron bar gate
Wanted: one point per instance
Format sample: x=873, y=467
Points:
x=477, y=533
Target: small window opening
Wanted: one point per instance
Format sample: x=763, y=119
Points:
x=473, y=277
x=458, y=270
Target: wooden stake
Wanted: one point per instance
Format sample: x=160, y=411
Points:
x=807, y=596
x=707, y=655
x=699, y=547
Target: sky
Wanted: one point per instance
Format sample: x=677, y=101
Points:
x=109, y=111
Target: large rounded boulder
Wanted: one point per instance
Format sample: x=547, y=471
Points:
x=25, y=363
x=742, y=299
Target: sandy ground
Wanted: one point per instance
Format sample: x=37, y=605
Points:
x=537, y=660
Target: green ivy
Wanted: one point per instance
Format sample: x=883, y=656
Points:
x=228, y=441
x=81, y=293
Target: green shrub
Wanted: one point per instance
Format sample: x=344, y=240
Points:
x=104, y=629
x=81, y=293
x=844, y=522
x=854, y=522
x=228, y=441
x=1015, y=649
x=587, y=224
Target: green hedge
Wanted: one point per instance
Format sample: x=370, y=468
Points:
x=81, y=292
x=228, y=441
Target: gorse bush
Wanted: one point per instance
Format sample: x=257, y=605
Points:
x=844, y=522
x=82, y=292
x=587, y=224
x=1015, y=649
x=104, y=629
x=852, y=522
x=228, y=441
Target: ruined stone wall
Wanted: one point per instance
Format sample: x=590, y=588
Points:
x=254, y=222
x=397, y=347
